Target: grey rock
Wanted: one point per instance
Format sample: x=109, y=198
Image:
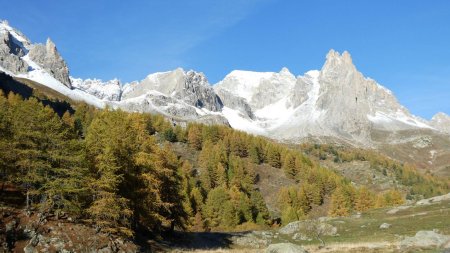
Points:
x=300, y=91
x=292, y=227
x=213, y=120
x=441, y=121
x=190, y=87
x=48, y=57
x=327, y=229
x=285, y=248
x=305, y=226
x=300, y=236
x=10, y=53
x=251, y=241
x=234, y=102
x=199, y=93
x=385, y=226
x=30, y=249
x=433, y=200
x=425, y=239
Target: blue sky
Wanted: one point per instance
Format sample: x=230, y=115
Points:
x=403, y=44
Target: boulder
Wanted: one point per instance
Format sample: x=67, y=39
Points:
x=292, y=227
x=433, y=200
x=426, y=239
x=385, y=226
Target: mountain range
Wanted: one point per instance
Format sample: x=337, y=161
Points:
x=335, y=103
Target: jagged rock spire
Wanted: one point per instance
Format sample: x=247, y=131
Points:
x=48, y=57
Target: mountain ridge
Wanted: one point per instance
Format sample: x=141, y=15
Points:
x=335, y=101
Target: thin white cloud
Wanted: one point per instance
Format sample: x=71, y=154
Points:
x=220, y=16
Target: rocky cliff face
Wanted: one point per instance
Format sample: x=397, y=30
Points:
x=191, y=87
x=441, y=121
x=48, y=57
x=20, y=57
x=11, y=49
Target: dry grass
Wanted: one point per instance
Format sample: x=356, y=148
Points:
x=222, y=251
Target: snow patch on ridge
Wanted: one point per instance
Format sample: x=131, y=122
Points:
x=399, y=116
x=248, y=81
x=41, y=76
x=19, y=37
x=308, y=112
x=238, y=121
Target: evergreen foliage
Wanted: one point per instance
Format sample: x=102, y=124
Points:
x=127, y=171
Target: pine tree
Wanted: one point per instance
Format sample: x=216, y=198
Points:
x=288, y=215
x=259, y=208
x=273, y=156
x=364, y=200
x=194, y=136
x=215, y=206
x=197, y=199
x=340, y=204
x=289, y=166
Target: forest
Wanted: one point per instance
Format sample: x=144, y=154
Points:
x=125, y=172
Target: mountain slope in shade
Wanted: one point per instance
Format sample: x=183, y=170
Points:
x=336, y=101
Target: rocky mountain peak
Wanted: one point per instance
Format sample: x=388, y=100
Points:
x=11, y=50
x=48, y=57
x=440, y=116
x=285, y=71
x=197, y=78
x=338, y=62
x=51, y=47
x=441, y=121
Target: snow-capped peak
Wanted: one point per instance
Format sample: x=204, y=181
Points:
x=336, y=101
x=336, y=62
x=250, y=85
x=19, y=38
x=109, y=91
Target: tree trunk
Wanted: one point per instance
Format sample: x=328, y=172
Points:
x=28, y=200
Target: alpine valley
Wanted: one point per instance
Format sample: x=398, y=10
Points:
x=259, y=160
x=336, y=104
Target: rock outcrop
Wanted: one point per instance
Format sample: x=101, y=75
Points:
x=441, y=121
x=426, y=239
x=190, y=87
x=234, y=102
x=11, y=49
x=48, y=57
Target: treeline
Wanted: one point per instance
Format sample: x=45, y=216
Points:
x=103, y=166
x=124, y=171
x=420, y=185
